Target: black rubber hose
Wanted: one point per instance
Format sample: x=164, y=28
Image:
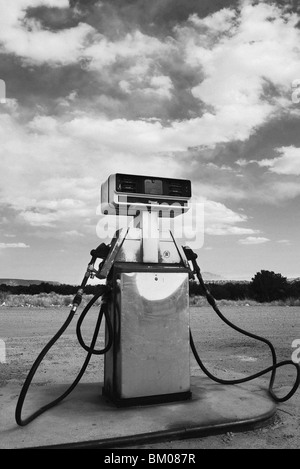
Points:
x=271, y=369
x=23, y=393
x=251, y=377
x=104, y=310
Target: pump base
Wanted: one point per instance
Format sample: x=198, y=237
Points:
x=86, y=419
x=148, y=400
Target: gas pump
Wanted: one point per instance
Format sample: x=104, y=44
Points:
x=149, y=307
x=145, y=302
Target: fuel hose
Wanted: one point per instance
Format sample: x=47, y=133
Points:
x=192, y=256
x=90, y=351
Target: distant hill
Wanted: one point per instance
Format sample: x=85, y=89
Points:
x=209, y=276
x=14, y=282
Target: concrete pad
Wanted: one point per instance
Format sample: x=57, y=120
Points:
x=86, y=419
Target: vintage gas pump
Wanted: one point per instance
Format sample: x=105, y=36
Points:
x=149, y=305
x=145, y=301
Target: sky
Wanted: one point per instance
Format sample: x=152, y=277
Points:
x=207, y=91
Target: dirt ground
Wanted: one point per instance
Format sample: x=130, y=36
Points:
x=226, y=353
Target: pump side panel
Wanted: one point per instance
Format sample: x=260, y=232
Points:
x=152, y=357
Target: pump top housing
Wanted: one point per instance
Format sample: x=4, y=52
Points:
x=126, y=194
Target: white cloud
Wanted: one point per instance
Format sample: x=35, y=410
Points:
x=220, y=220
x=219, y=22
x=236, y=60
x=13, y=245
x=288, y=163
x=53, y=169
x=253, y=240
x=281, y=190
x=218, y=230
x=222, y=190
x=73, y=233
x=39, y=219
x=160, y=86
x=135, y=45
x=218, y=211
x=138, y=136
x=242, y=162
x=284, y=241
x=239, y=56
x=207, y=217
x=27, y=38
x=49, y=212
x=274, y=189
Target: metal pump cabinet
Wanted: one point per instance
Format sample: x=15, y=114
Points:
x=149, y=361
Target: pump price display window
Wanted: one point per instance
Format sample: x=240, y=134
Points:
x=153, y=186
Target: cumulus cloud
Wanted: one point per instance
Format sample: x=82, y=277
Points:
x=239, y=74
x=52, y=171
x=13, y=245
x=253, y=240
x=284, y=241
x=134, y=45
x=160, y=86
x=220, y=220
x=73, y=233
x=218, y=230
x=56, y=182
x=280, y=190
x=218, y=67
x=240, y=60
x=206, y=83
x=279, y=182
x=26, y=37
x=287, y=163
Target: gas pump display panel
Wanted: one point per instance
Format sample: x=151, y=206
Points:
x=124, y=194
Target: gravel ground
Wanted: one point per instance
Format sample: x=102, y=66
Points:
x=224, y=351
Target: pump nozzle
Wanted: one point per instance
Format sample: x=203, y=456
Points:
x=101, y=251
x=190, y=254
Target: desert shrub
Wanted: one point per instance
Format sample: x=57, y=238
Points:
x=268, y=286
x=3, y=297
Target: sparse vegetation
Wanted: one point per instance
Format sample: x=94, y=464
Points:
x=265, y=286
x=43, y=300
